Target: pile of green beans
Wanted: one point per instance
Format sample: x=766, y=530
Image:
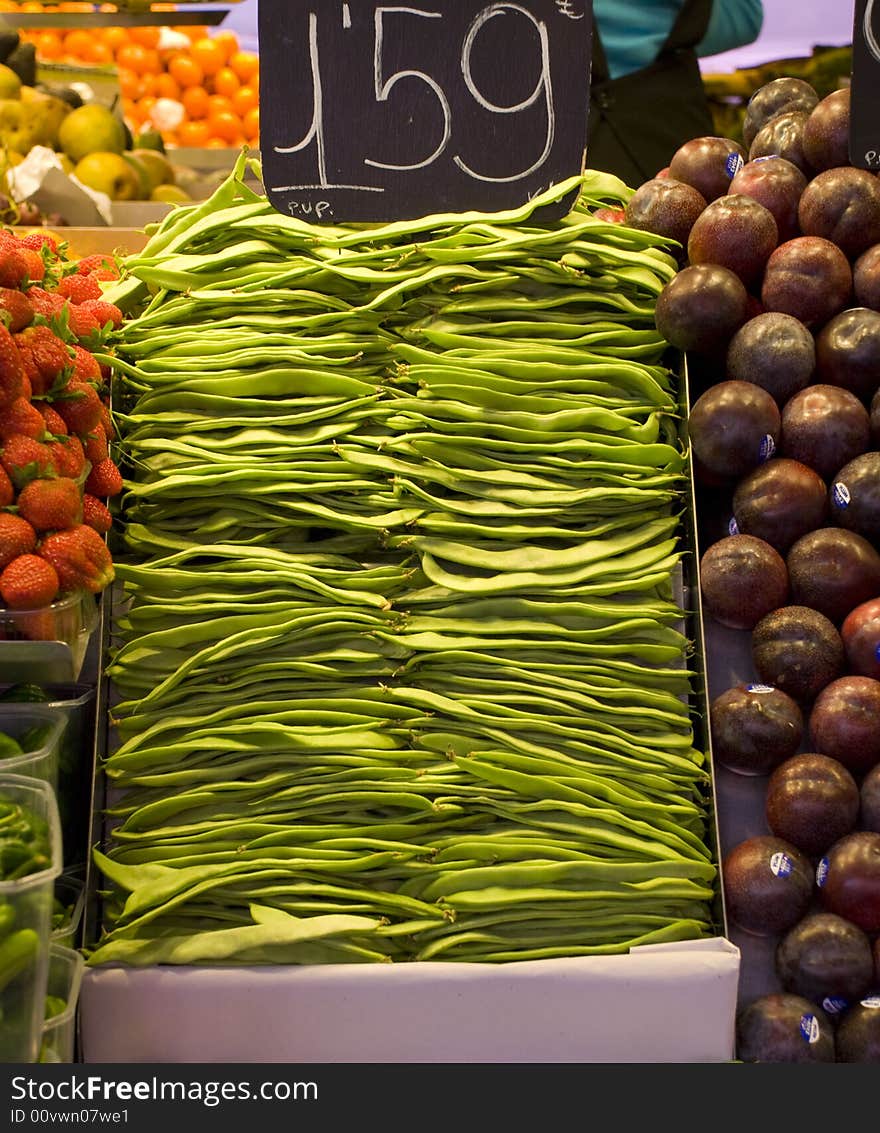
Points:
x=399, y=660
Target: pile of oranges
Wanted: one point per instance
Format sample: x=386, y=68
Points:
x=198, y=90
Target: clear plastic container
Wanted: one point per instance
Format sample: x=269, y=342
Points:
x=64, y=981
x=64, y=627
x=25, y=928
x=68, y=908
x=38, y=729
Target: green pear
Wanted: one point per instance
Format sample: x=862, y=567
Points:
x=92, y=128
x=10, y=83
x=18, y=131
x=159, y=169
x=47, y=112
x=109, y=173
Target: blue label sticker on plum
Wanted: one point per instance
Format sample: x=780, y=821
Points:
x=733, y=527
x=767, y=447
x=834, y=1005
x=822, y=872
x=765, y=157
x=781, y=864
x=871, y=1001
x=734, y=164
x=810, y=1028
x=840, y=495
x=760, y=688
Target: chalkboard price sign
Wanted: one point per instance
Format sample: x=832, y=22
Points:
x=380, y=112
x=864, y=120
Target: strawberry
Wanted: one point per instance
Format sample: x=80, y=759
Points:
x=13, y=265
x=11, y=369
x=16, y=309
x=25, y=459
x=51, y=505
x=7, y=489
x=22, y=416
x=77, y=288
x=36, y=267
x=80, y=407
x=49, y=304
x=96, y=514
x=29, y=582
x=85, y=365
x=40, y=240
x=107, y=419
x=104, y=312
x=45, y=357
x=55, y=423
x=96, y=445
x=104, y=479
x=17, y=537
x=98, y=262
x=80, y=557
x=68, y=457
x=82, y=323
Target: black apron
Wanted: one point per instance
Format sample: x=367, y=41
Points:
x=638, y=121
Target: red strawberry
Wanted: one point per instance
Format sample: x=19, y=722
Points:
x=29, y=582
x=13, y=265
x=17, y=537
x=80, y=557
x=40, y=240
x=98, y=262
x=11, y=369
x=55, y=423
x=45, y=357
x=104, y=479
x=80, y=407
x=22, y=416
x=77, y=288
x=107, y=419
x=96, y=445
x=36, y=267
x=104, y=312
x=26, y=459
x=96, y=514
x=82, y=323
x=49, y=304
x=85, y=365
x=7, y=489
x=68, y=457
x=51, y=505
x=16, y=309
x=104, y=274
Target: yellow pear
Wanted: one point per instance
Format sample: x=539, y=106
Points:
x=109, y=173
x=46, y=112
x=18, y=130
x=159, y=169
x=10, y=83
x=170, y=194
x=91, y=128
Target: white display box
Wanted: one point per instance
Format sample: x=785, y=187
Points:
x=659, y=1003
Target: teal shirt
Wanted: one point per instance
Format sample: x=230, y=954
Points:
x=633, y=31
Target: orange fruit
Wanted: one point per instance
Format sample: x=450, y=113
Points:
x=99, y=53
x=146, y=36
x=226, y=82
x=166, y=86
x=245, y=99
x=135, y=57
x=225, y=124
x=115, y=38
x=194, y=134
x=186, y=71
x=251, y=125
x=228, y=40
x=77, y=44
x=196, y=102
x=49, y=45
x=218, y=103
x=209, y=54
x=131, y=84
x=245, y=64
x=216, y=143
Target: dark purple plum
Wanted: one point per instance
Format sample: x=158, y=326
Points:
x=825, y=957
x=754, y=728
x=844, y=722
x=733, y=426
x=773, y=98
x=708, y=163
x=775, y=351
x=825, y=138
x=701, y=307
x=784, y=1027
x=869, y=795
x=848, y=351
x=825, y=427
x=768, y=884
x=866, y=278
x=779, y=501
x=782, y=137
x=842, y=205
x=854, y=497
x=777, y=184
x=858, y=1032
x=808, y=277
x=860, y=632
x=667, y=208
x=737, y=232
x=797, y=649
x=811, y=800
x=848, y=878
x=833, y=570
x=742, y=579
